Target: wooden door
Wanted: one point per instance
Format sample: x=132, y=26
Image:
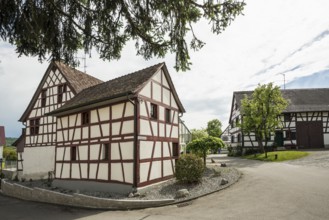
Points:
x=310, y=134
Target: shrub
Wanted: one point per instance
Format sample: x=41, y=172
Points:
x=234, y=151
x=189, y=169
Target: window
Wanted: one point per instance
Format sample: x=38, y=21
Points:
x=232, y=139
x=43, y=97
x=168, y=115
x=287, y=117
x=175, y=150
x=237, y=121
x=73, y=153
x=105, y=152
x=85, y=118
x=290, y=135
x=61, y=89
x=154, y=111
x=239, y=138
x=34, y=126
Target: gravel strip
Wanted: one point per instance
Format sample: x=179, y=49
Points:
x=211, y=182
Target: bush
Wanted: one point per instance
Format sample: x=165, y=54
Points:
x=189, y=169
x=234, y=151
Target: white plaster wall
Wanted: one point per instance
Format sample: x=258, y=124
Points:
x=83, y=152
x=64, y=121
x=128, y=168
x=95, y=131
x=59, y=153
x=85, y=132
x=128, y=127
x=145, y=127
x=154, y=128
x=157, y=150
x=116, y=172
x=103, y=171
x=173, y=102
x=38, y=160
x=104, y=114
x=129, y=110
x=174, y=133
x=92, y=170
x=167, y=168
x=167, y=151
x=115, y=153
x=1, y=152
x=116, y=128
x=117, y=111
x=67, y=155
x=142, y=109
x=157, y=77
x=77, y=134
x=166, y=96
x=156, y=92
x=145, y=149
x=326, y=140
x=161, y=113
x=127, y=150
x=58, y=170
x=93, y=116
x=66, y=171
x=161, y=129
x=144, y=170
x=94, y=151
x=75, y=171
x=156, y=170
x=146, y=91
x=84, y=170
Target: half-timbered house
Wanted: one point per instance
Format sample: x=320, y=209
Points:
x=303, y=124
x=119, y=135
x=36, y=146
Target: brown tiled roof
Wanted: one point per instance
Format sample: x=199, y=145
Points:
x=300, y=100
x=119, y=87
x=76, y=79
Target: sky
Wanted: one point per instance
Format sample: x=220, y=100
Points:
x=274, y=40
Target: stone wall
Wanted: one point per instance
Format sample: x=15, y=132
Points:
x=79, y=200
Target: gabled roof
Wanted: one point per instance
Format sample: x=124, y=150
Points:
x=124, y=86
x=300, y=100
x=76, y=79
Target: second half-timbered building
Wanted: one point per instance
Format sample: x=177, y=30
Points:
x=304, y=124
x=119, y=135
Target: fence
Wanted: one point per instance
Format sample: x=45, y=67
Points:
x=9, y=164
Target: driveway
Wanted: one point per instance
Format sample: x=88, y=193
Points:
x=287, y=190
x=293, y=190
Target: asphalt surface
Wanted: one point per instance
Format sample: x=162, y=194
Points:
x=287, y=190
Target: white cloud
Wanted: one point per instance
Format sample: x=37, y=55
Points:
x=273, y=37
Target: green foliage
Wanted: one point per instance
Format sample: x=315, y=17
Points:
x=198, y=133
x=260, y=112
x=214, y=128
x=234, y=151
x=9, y=153
x=281, y=156
x=189, y=169
x=10, y=141
x=203, y=146
x=61, y=28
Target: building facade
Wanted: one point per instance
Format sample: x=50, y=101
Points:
x=117, y=136
x=304, y=124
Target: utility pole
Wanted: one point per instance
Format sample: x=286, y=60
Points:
x=284, y=80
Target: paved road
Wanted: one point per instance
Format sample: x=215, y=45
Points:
x=293, y=190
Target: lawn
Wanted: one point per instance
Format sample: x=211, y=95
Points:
x=282, y=156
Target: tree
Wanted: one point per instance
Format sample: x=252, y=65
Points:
x=9, y=153
x=198, y=133
x=203, y=146
x=61, y=28
x=260, y=113
x=214, y=128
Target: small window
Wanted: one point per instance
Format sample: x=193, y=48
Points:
x=73, y=153
x=175, y=149
x=239, y=138
x=85, y=118
x=237, y=121
x=34, y=126
x=290, y=135
x=232, y=139
x=287, y=117
x=154, y=111
x=61, y=89
x=105, y=152
x=232, y=124
x=43, y=97
x=168, y=115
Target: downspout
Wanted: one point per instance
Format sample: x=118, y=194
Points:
x=135, y=166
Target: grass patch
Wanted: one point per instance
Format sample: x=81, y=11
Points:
x=282, y=156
